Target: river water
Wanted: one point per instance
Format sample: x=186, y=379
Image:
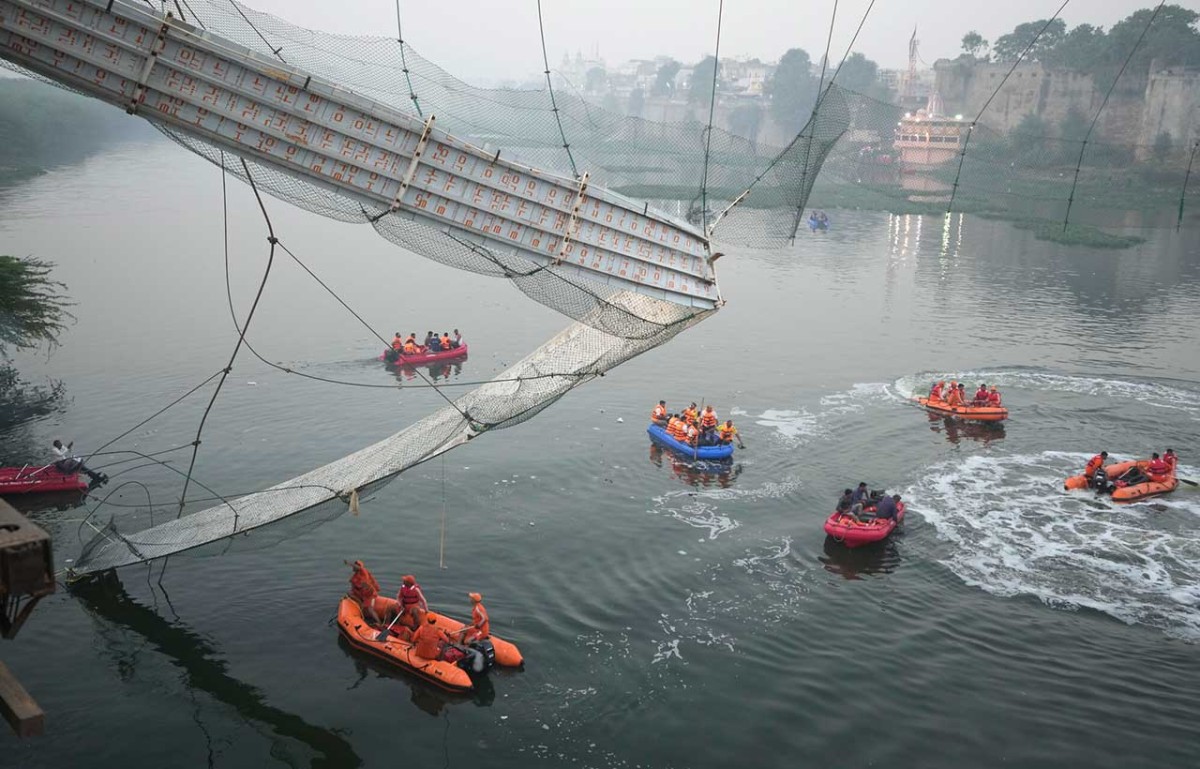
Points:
x=670, y=616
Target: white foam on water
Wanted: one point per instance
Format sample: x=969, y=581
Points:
x=1015, y=531
x=795, y=427
x=691, y=508
x=1153, y=394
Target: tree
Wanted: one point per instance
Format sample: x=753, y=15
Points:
x=700, y=90
x=792, y=89
x=1008, y=48
x=1082, y=49
x=637, y=102
x=664, y=79
x=1171, y=41
x=745, y=120
x=1029, y=140
x=33, y=308
x=595, y=80
x=973, y=43
x=858, y=73
x=1162, y=146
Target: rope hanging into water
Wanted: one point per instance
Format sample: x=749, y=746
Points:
x=1103, y=104
x=236, y=348
x=712, y=105
x=962, y=156
x=404, y=63
x=1183, y=192
x=550, y=87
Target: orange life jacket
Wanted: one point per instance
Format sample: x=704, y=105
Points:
x=410, y=348
x=689, y=414
x=479, y=619
x=994, y=398
x=1093, y=465
x=954, y=398
x=727, y=433
x=397, y=343
x=427, y=641
x=678, y=429
x=1158, y=470
x=659, y=413
x=363, y=585
x=708, y=418
x=445, y=341
x=410, y=595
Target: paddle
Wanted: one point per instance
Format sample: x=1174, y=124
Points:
x=383, y=634
x=1185, y=480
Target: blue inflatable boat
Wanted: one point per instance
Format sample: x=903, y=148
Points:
x=720, y=451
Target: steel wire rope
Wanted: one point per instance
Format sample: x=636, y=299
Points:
x=1186, y=176
x=100, y=451
x=237, y=347
x=274, y=241
x=712, y=106
x=404, y=63
x=266, y=42
x=962, y=156
x=799, y=215
x=779, y=156
x=550, y=87
x=1104, y=103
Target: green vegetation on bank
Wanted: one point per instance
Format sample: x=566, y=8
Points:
x=33, y=311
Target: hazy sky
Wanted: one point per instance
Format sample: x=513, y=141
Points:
x=493, y=39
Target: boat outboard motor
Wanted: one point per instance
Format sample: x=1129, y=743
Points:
x=486, y=652
x=1100, y=481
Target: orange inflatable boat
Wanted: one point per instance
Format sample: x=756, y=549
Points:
x=970, y=413
x=396, y=649
x=1130, y=492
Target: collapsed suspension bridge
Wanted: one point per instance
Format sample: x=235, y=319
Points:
x=315, y=131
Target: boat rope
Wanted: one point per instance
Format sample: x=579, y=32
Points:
x=962, y=156
x=550, y=87
x=1103, y=104
x=712, y=105
x=404, y=64
x=237, y=347
x=1183, y=192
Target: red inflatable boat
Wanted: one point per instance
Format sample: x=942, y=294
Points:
x=422, y=358
x=38, y=479
x=846, y=530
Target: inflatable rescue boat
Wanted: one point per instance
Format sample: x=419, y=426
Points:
x=971, y=413
x=38, y=480
x=1128, y=492
x=664, y=439
x=851, y=533
x=397, y=650
x=398, y=358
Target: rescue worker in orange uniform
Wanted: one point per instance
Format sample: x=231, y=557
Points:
x=693, y=434
x=1158, y=470
x=410, y=346
x=397, y=342
x=480, y=628
x=445, y=340
x=413, y=605
x=659, y=415
x=981, y=395
x=1170, y=458
x=1094, y=464
x=993, y=398
x=708, y=420
x=935, y=392
x=365, y=589
x=690, y=413
x=429, y=640
x=679, y=428
x=954, y=396
x=727, y=433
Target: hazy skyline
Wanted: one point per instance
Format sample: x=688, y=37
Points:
x=490, y=41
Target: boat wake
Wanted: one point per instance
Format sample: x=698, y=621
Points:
x=1175, y=396
x=1013, y=531
x=796, y=427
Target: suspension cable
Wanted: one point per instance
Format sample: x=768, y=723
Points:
x=962, y=156
x=404, y=63
x=550, y=87
x=1103, y=104
x=712, y=105
x=1186, y=176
